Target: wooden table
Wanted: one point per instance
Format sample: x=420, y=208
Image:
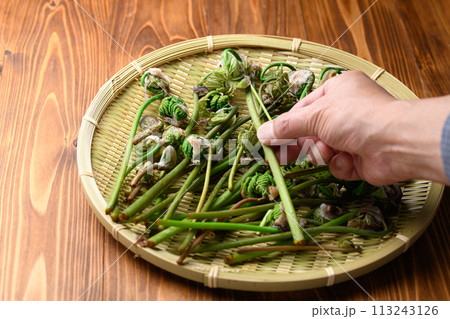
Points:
x=53, y=60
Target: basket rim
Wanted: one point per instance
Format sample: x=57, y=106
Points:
x=227, y=278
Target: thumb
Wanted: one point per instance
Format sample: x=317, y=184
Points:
x=289, y=126
x=295, y=123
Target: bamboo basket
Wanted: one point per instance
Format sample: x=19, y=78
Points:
x=104, y=132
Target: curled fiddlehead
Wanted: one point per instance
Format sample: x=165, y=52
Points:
x=305, y=168
x=275, y=217
x=368, y=218
x=149, y=125
x=151, y=122
x=248, y=144
x=249, y=141
x=155, y=81
x=147, y=144
x=222, y=116
x=267, y=74
x=327, y=73
x=284, y=87
x=193, y=146
x=150, y=145
x=167, y=161
x=161, y=87
x=330, y=191
x=173, y=136
x=326, y=213
x=213, y=101
x=271, y=216
x=275, y=85
x=234, y=72
x=173, y=109
x=259, y=185
x=301, y=82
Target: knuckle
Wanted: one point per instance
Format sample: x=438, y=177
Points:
x=282, y=126
x=316, y=117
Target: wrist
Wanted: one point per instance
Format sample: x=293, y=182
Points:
x=413, y=140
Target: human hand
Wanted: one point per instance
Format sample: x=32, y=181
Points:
x=361, y=130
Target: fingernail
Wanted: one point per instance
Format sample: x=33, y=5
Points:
x=266, y=133
x=266, y=136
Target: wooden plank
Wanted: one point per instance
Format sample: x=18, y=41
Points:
x=428, y=29
x=378, y=36
x=46, y=80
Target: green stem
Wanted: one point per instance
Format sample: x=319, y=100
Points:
x=192, y=176
x=263, y=72
x=234, y=167
x=314, y=231
x=309, y=183
x=151, y=150
x=194, y=116
x=128, y=148
x=313, y=222
x=307, y=172
x=172, y=231
x=254, y=216
x=231, y=213
x=217, y=225
x=296, y=248
x=182, y=191
x=231, y=155
x=144, y=157
x=308, y=214
x=338, y=71
x=341, y=219
x=253, y=209
x=214, y=193
x=154, y=210
x=225, y=135
x=309, y=233
x=240, y=258
x=163, y=235
x=247, y=217
x=206, y=184
x=115, y=213
x=304, y=93
x=278, y=177
x=216, y=169
x=256, y=95
x=148, y=197
x=243, y=242
x=188, y=239
x=226, y=196
x=179, y=196
x=233, y=127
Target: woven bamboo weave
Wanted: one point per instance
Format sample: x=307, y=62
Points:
x=105, y=129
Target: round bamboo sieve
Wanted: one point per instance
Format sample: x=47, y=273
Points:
x=104, y=132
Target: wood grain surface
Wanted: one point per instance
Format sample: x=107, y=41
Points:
x=53, y=60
